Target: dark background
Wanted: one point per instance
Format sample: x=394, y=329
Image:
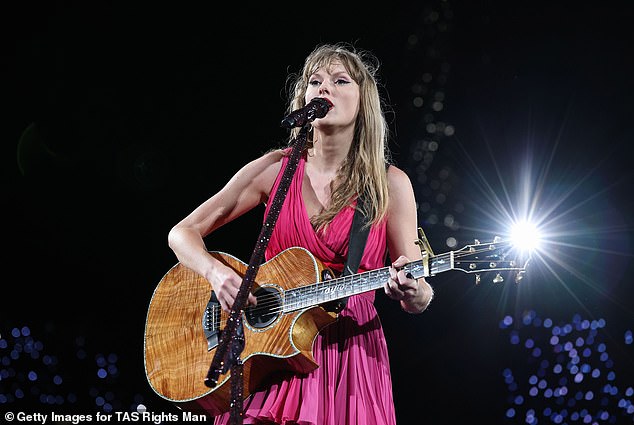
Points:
x=120, y=118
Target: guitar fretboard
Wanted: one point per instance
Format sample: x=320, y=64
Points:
x=471, y=259
x=334, y=289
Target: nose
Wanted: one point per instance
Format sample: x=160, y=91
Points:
x=323, y=88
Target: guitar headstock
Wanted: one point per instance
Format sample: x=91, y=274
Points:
x=495, y=256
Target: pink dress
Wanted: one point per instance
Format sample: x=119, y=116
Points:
x=353, y=384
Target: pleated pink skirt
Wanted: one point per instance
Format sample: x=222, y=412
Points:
x=351, y=386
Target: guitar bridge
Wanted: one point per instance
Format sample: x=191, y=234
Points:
x=211, y=322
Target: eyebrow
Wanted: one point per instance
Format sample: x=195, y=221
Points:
x=334, y=74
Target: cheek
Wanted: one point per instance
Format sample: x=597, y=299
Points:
x=353, y=99
x=311, y=92
x=357, y=100
x=353, y=104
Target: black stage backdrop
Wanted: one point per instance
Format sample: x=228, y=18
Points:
x=121, y=117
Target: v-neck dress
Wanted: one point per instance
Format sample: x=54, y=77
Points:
x=352, y=384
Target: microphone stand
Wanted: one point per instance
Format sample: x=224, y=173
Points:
x=231, y=341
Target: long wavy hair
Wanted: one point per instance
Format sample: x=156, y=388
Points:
x=364, y=171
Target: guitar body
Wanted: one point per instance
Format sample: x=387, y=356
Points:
x=184, y=320
x=176, y=350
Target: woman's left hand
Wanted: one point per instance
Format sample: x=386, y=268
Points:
x=413, y=294
x=401, y=285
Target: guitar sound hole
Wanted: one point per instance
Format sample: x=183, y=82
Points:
x=267, y=310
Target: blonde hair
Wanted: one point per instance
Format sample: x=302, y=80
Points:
x=364, y=169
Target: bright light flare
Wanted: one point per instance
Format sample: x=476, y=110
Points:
x=565, y=215
x=525, y=236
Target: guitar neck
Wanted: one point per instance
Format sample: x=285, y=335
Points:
x=334, y=289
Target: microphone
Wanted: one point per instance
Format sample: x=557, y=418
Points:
x=316, y=108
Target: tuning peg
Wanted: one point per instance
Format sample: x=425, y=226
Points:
x=497, y=239
x=519, y=276
x=498, y=278
x=477, y=241
x=478, y=279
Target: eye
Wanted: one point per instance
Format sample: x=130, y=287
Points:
x=342, y=81
x=314, y=82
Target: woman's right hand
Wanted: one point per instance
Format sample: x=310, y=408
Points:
x=226, y=284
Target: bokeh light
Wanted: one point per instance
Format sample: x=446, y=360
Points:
x=32, y=377
x=572, y=379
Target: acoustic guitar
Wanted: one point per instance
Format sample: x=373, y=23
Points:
x=184, y=319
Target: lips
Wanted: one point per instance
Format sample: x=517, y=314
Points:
x=330, y=104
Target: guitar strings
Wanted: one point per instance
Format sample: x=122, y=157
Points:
x=275, y=303
x=267, y=300
x=310, y=289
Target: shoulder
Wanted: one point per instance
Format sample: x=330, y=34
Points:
x=400, y=188
x=263, y=170
x=265, y=163
x=397, y=178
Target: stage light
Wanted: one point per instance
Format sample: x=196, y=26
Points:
x=525, y=236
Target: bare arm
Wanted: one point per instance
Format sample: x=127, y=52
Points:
x=248, y=188
x=402, y=233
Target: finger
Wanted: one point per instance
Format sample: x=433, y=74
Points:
x=253, y=300
x=393, y=273
x=406, y=280
x=228, y=297
x=226, y=303
x=392, y=289
x=386, y=288
x=400, y=261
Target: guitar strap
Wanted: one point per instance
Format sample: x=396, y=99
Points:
x=358, y=238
